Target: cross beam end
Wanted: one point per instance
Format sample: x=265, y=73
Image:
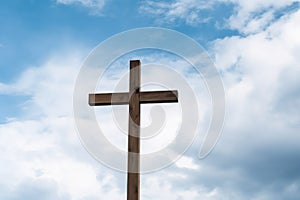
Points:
x=106, y=99
x=170, y=96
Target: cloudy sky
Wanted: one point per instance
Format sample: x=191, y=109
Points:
x=255, y=46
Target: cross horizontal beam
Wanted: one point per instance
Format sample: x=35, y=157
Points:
x=170, y=96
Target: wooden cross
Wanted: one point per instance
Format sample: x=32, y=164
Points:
x=134, y=98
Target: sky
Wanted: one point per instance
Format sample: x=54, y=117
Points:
x=255, y=47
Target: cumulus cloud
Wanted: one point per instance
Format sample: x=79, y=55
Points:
x=41, y=149
x=256, y=157
x=42, y=157
x=36, y=189
x=163, y=189
x=261, y=128
x=95, y=6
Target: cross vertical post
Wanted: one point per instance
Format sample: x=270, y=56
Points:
x=133, y=180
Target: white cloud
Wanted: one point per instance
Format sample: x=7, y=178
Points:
x=162, y=188
x=186, y=162
x=46, y=150
x=40, y=149
x=187, y=11
x=253, y=16
x=95, y=6
x=41, y=83
x=248, y=17
x=259, y=73
x=256, y=157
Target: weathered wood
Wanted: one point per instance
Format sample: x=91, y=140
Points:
x=108, y=99
x=133, y=181
x=122, y=98
x=159, y=97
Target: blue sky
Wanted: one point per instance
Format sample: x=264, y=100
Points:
x=254, y=45
x=29, y=28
